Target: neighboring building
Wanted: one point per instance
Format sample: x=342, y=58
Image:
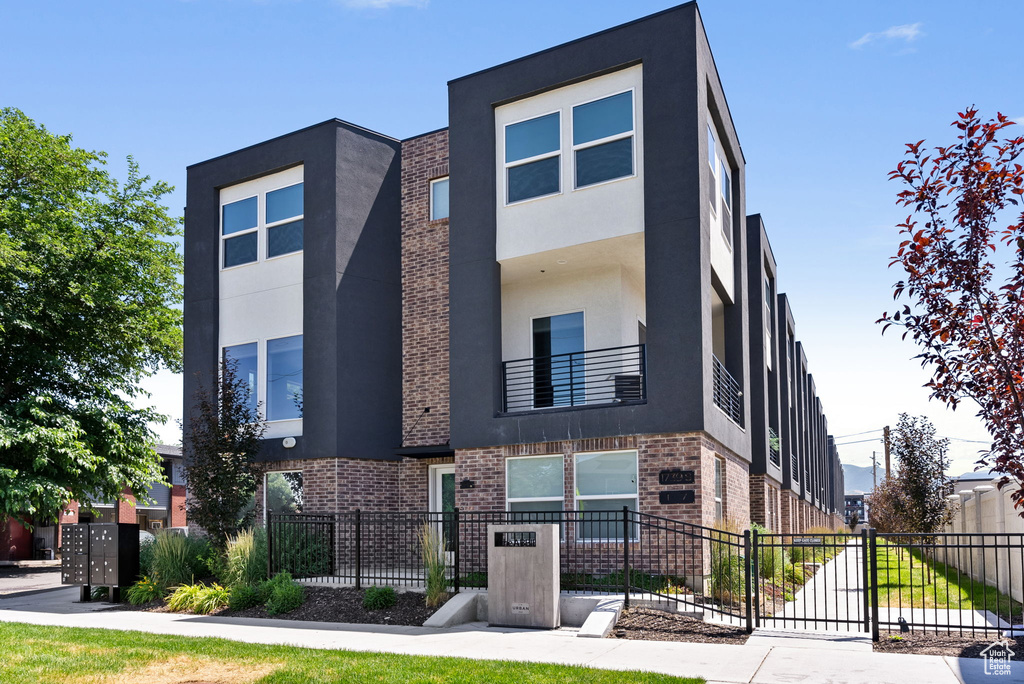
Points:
x=857, y=505
x=163, y=507
x=584, y=307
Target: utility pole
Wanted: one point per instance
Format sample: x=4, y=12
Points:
x=886, y=437
x=874, y=471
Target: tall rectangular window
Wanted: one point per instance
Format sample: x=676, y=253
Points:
x=602, y=139
x=439, y=199
x=558, y=361
x=605, y=481
x=284, y=220
x=719, y=488
x=245, y=359
x=726, y=203
x=534, y=486
x=532, y=159
x=284, y=378
x=239, y=224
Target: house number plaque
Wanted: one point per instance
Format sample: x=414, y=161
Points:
x=675, y=477
x=680, y=496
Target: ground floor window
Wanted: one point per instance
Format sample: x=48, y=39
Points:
x=534, y=485
x=719, y=487
x=282, y=492
x=605, y=481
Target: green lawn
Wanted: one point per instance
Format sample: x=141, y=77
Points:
x=905, y=580
x=97, y=656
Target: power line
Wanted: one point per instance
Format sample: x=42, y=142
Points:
x=858, y=434
x=859, y=441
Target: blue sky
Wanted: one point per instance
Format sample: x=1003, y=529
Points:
x=823, y=95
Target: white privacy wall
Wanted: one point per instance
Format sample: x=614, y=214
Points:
x=1002, y=567
x=262, y=300
x=571, y=217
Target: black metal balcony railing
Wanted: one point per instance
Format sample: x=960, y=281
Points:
x=598, y=376
x=727, y=393
x=795, y=470
x=774, y=444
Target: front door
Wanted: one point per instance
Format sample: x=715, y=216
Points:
x=442, y=497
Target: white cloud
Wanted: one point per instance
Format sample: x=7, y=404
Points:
x=904, y=32
x=384, y=4
x=1019, y=120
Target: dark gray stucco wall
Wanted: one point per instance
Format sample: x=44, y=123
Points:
x=764, y=388
x=677, y=67
x=351, y=284
x=787, y=391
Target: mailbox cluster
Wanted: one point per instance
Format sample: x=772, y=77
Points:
x=101, y=555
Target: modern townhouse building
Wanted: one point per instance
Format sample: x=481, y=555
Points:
x=572, y=322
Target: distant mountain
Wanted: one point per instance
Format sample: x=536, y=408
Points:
x=859, y=479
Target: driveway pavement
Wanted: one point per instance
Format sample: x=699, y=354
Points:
x=14, y=580
x=767, y=658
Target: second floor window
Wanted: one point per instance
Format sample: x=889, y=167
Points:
x=439, y=199
x=281, y=366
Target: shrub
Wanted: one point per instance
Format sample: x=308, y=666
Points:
x=247, y=558
x=99, y=593
x=285, y=597
x=727, y=564
x=146, y=555
x=178, y=559
x=379, y=598
x=211, y=598
x=771, y=560
x=435, y=564
x=184, y=597
x=794, y=574
x=244, y=596
x=302, y=553
x=144, y=591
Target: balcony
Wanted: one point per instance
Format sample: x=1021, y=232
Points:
x=613, y=375
x=727, y=393
x=773, y=446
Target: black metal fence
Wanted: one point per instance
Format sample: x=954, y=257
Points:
x=597, y=376
x=967, y=584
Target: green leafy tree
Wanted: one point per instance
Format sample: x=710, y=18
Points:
x=223, y=438
x=963, y=253
x=913, y=499
x=89, y=306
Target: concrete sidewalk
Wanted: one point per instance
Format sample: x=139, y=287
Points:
x=767, y=658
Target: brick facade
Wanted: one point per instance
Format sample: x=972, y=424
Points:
x=177, y=512
x=424, y=295
x=766, y=502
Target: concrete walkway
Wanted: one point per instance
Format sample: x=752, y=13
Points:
x=769, y=657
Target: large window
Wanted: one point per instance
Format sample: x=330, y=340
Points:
x=281, y=390
x=532, y=158
x=534, y=486
x=605, y=481
x=558, y=361
x=719, y=187
x=283, y=492
x=276, y=215
x=246, y=365
x=602, y=139
x=284, y=378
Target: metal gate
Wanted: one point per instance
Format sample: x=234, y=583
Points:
x=812, y=581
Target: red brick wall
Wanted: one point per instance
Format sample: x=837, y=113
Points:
x=126, y=508
x=765, y=502
x=177, y=513
x=424, y=295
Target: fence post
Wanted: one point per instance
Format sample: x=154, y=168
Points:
x=755, y=552
x=867, y=579
x=625, y=554
x=746, y=577
x=358, y=551
x=873, y=559
x=270, y=546
x=455, y=542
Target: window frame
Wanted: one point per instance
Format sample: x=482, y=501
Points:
x=224, y=238
x=262, y=372
x=718, y=164
x=631, y=133
x=262, y=227
x=291, y=219
x=719, y=488
x=557, y=152
x=533, y=353
x=430, y=209
x=532, y=499
x=577, y=497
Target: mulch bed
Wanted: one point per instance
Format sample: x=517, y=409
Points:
x=650, y=624
x=325, y=604
x=939, y=643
